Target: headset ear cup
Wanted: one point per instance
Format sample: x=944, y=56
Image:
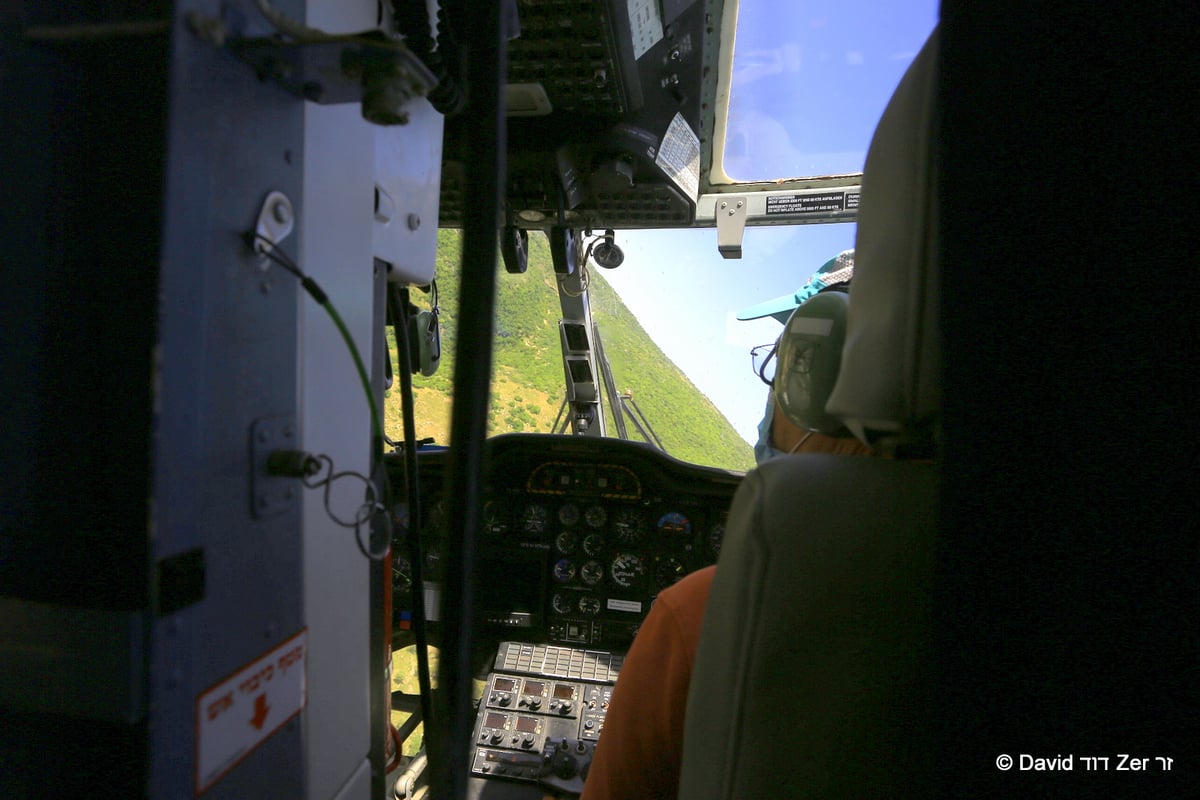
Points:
x=425, y=336
x=808, y=361
x=431, y=344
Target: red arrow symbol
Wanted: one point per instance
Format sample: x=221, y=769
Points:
x=261, y=709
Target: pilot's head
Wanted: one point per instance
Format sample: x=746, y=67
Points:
x=806, y=358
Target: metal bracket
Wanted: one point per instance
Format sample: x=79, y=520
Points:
x=731, y=225
x=370, y=67
x=275, y=222
x=271, y=495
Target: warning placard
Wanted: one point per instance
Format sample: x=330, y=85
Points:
x=679, y=156
x=241, y=712
x=811, y=203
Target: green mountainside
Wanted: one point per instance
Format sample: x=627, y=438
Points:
x=527, y=372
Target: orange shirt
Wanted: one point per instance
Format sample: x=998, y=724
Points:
x=641, y=748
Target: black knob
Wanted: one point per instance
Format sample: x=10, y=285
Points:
x=565, y=766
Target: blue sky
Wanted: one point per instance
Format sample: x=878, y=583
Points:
x=686, y=295
x=810, y=81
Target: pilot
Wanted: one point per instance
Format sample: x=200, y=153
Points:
x=640, y=752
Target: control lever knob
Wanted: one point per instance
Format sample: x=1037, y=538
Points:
x=564, y=765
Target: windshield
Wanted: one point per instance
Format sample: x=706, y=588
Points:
x=667, y=321
x=807, y=85
x=810, y=80
x=658, y=402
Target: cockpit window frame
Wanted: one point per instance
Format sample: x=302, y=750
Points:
x=782, y=200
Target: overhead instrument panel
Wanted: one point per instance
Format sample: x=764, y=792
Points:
x=604, y=114
x=579, y=535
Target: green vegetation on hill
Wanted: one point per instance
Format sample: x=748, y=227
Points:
x=527, y=370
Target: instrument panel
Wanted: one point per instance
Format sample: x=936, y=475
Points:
x=578, y=535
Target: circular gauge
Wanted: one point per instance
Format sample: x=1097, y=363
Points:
x=595, y=517
x=627, y=525
x=674, y=525
x=714, y=538
x=589, y=604
x=626, y=569
x=562, y=603
x=533, y=518
x=668, y=571
x=591, y=573
x=593, y=543
x=564, y=570
x=568, y=514
x=566, y=542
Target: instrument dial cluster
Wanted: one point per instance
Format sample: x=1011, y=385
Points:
x=579, y=535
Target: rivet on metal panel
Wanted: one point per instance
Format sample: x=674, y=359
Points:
x=282, y=212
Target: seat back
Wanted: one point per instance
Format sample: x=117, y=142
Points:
x=814, y=669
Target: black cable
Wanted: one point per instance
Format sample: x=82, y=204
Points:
x=398, y=300
x=486, y=49
x=440, y=55
x=369, y=510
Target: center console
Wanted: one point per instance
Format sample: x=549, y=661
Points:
x=541, y=713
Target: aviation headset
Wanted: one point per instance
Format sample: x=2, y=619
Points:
x=808, y=357
x=425, y=337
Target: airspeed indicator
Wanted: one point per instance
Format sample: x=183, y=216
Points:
x=627, y=569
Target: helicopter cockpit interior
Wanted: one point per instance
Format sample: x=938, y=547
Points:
x=223, y=227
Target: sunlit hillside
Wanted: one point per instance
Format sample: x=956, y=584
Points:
x=527, y=384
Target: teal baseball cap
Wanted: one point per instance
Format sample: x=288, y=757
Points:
x=838, y=269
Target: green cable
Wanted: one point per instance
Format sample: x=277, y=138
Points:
x=376, y=422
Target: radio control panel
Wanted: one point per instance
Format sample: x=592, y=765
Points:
x=541, y=713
